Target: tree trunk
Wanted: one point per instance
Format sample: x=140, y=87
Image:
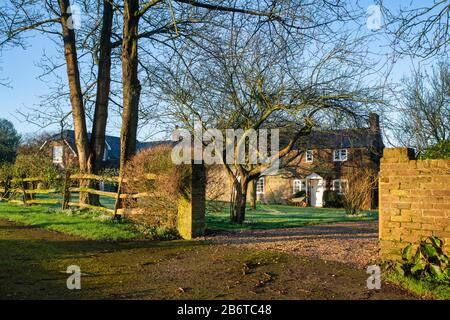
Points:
x=253, y=194
x=130, y=82
x=97, y=146
x=76, y=96
x=240, y=201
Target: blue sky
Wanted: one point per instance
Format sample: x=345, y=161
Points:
x=19, y=67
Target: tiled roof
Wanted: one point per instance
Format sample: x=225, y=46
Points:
x=324, y=139
x=112, y=141
x=345, y=138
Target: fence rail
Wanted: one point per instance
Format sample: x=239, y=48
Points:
x=29, y=191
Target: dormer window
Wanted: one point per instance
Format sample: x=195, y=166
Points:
x=309, y=156
x=57, y=154
x=340, y=155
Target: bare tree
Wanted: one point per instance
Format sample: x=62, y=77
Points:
x=244, y=79
x=180, y=21
x=418, y=29
x=358, y=193
x=423, y=113
x=54, y=18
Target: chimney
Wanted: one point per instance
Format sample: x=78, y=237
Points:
x=374, y=120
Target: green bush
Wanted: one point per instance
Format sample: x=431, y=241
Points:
x=332, y=199
x=425, y=261
x=37, y=166
x=440, y=150
x=6, y=171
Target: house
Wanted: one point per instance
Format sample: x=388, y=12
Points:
x=329, y=159
x=62, y=149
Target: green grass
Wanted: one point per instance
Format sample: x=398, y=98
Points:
x=88, y=225
x=421, y=288
x=283, y=216
x=92, y=226
x=107, y=202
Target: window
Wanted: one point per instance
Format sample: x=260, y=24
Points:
x=260, y=186
x=299, y=185
x=340, y=155
x=340, y=185
x=57, y=154
x=309, y=156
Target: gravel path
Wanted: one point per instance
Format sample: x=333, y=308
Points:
x=354, y=243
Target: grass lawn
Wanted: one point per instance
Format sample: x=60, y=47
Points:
x=90, y=225
x=283, y=216
x=423, y=289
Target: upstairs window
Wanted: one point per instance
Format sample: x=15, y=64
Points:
x=340, y=185
x=260, y=186
x=299, y=185
x=57, y=154
x=309, y=156
x=340, y=155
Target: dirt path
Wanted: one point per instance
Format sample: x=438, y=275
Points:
x=354, y=243
x=33, y=263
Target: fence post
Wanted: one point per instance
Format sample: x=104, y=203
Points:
x=118, y=199
x=66, y=191
x=191, y=211
x=24, y=185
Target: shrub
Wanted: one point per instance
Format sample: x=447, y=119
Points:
x=332, y=199
x=215, y=186
x=425, y=261
x=161, y=233
x=159, y=207
x=440, y=150
x=360, y=187
x=299, y=194
x=6, y=174
x=40, y=166
x=6, y=171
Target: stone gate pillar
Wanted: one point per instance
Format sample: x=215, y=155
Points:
x=191, y=210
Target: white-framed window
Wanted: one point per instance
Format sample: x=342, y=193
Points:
x=340, y=155
x=309, y=156
x=340, y=185
x=260, y=186
x=58, y=154
x=299, y=185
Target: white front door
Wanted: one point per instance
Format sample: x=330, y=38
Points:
x=316, y=192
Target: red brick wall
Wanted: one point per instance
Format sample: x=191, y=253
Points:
x=414, y=200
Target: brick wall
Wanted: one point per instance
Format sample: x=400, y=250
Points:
x=414, y=200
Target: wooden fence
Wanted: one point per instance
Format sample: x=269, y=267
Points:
x=191, y=208
x=27, y=187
